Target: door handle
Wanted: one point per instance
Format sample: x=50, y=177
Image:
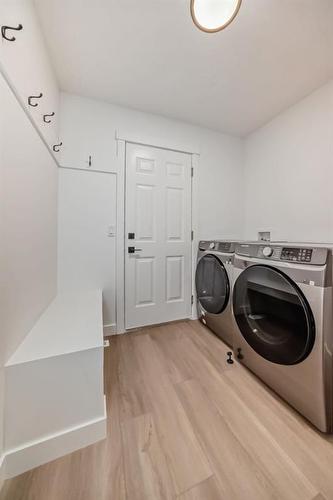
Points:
x=133, y=249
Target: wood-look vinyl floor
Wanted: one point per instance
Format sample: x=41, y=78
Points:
x=185, y=425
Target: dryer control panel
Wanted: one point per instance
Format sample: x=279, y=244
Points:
x=218, y=246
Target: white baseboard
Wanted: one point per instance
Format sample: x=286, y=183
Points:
x=19, y=460
x=110, y=330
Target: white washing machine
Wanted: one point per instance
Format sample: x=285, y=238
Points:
x=282, y=304
x=214, y=282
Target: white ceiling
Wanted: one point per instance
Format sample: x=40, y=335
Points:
x=147, y=54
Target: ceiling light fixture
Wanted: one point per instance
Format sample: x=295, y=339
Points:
x=214, y=15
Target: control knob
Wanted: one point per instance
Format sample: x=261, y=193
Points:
x=267, y=251
x=212, y=245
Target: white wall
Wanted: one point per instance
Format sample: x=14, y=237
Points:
x=28, y=185
x=88, y=127
x=28, y=228
x=289, y=172
x=2, y=286
x=27, y=65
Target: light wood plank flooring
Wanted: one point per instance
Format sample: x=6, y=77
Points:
x=185, y=425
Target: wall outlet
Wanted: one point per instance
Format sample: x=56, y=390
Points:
x=264, y=236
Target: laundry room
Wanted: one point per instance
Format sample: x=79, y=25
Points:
x=166, y=262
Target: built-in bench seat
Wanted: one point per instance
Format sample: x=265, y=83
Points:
x=54, y=397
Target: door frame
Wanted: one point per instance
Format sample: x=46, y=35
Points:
x=122, y=139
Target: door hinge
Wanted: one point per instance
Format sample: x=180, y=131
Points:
x=192, y=235
x=192, y=171
x=192, y=300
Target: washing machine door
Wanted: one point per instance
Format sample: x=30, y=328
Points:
x=273, y=315
x=212, y=284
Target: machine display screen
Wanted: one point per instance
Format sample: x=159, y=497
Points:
x=224, y=247
x=297, y=254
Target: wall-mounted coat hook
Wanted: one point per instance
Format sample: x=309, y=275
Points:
x=89, y=161
x=56, y=147
x=5, y=28
x=47, y=116
x=34, y=97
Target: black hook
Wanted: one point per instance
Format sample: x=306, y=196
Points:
x=239, y=353
x=46, y=116
x=56, y=147
x=5, y=28
x=34, y=97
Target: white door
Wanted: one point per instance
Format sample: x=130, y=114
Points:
x=158, y=214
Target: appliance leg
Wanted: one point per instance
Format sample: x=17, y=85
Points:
x=230, y=361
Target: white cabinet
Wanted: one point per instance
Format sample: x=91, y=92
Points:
x=87, y=130
x=86, y=235
x=26, y=64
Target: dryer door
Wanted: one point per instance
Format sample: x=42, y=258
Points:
x=212, y=284
x=273, y=315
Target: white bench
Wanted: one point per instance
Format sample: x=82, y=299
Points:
x=54, y=397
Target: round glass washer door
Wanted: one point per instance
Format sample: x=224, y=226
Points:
x=212, y=284
x=273, y=315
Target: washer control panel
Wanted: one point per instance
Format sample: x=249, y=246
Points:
x=297, y=254
x=289, y=254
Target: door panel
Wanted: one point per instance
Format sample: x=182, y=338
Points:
x=175, y=278
x=145, y=165
x=158, y=212
x=145, y=216
x=175, y=214
x=144, y=281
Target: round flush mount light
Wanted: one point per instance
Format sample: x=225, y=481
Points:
x=214, y=15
